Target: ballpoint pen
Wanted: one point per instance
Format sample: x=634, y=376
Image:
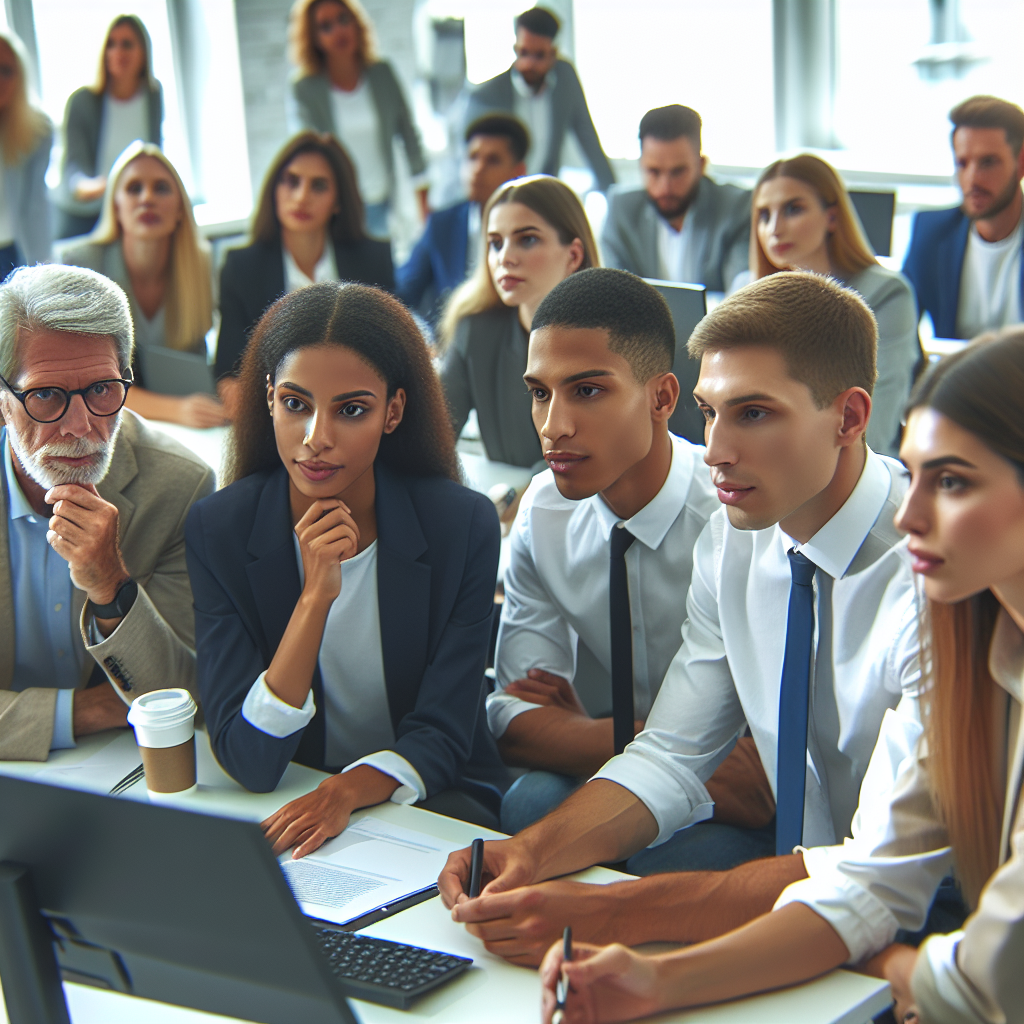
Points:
x=562, y=986
x=476, y=868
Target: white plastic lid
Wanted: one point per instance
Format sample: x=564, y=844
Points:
x=162, y=709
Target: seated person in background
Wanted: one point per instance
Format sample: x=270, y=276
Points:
x=802, y=219
x=307, y=227
x=599, y=371
x=147, y=242
x=680, y=225
x=787, y=367
x=956, y=798
x=534, y=233
x=26, y=137
x=544, y=92
x=965, y=264
x=93, y=584
x=447, y=250
x=343, y=580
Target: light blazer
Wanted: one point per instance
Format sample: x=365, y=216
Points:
x=312, y=96
x=569, y=112
x=437, y=558
x=934, y=262
x=153, y=481
x=28, y=203
x=439, y=257
x=253, y=278
x=720, y=226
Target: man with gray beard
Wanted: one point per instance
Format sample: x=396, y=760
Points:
x=95, y=602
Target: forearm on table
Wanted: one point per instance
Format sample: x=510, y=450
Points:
x=365, y=786
x=557, y=740
x=290, y=674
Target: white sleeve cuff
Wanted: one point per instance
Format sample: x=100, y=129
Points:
x=502, y=707
x=410, y=785
x=63, y=721
x=264, y=710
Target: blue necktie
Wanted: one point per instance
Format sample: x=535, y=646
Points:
x=793, y=702
x=621, y=627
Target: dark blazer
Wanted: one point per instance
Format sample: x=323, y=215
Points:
x=569, y=112
x=253, y=278
x=437, y=559
x=438, y=258
x=934, y=260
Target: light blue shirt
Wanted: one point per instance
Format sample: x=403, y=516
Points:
x=48, y=649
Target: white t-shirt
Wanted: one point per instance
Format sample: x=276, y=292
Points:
x=534, y=110
x=990, y=283
x=358, y=128
x=124, y=121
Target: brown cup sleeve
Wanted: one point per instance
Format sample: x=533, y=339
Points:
x=170, y=769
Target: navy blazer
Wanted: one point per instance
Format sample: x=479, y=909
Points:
x=253, y=278
x=438, y=258
x=437, y=559
x=933, y=264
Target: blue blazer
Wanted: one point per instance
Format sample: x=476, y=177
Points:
x=439, y=257
x=437, y=559
x=933, y=264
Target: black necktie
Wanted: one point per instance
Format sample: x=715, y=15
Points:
x=621, y=625
x=791, y=771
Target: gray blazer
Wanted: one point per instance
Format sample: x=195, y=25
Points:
x=890, y=297
x=483, y=370
x=312, y=96
x=569, y=112
x=721, y=233
x=83, y=121
x=153, y=481
x=28, y=203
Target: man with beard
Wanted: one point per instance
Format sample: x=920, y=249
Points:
x=965, y=263
x=95, y=603
x=681, y=225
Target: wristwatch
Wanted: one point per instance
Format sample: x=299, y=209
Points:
x=122, y=603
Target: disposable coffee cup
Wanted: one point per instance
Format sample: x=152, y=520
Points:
x=164, y=724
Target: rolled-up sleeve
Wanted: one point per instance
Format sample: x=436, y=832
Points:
x=264, y=710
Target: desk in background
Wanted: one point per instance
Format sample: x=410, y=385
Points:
x=491, y=991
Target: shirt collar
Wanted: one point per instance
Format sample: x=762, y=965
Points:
x=1006, y=656
x=523, y=88
x=655, y=519
x=834, y=546
x=18, y=506
x=325, y=269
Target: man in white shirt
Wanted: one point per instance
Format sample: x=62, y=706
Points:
x=966, y=263
x=600, y=372
x=787, y=368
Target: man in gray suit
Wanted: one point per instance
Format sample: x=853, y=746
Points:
x=544, y=92
x=680, y=225
x=95, y=602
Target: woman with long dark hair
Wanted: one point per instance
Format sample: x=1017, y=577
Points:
x=344, y=580
x=957, y=800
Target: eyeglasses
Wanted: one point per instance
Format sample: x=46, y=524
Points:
x=47, y=405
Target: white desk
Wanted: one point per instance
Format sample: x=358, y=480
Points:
x=491, y=991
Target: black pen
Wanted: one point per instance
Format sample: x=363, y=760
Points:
x=476, y=868
x=562, y=986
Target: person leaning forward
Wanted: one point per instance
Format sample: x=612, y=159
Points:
x=93, y=585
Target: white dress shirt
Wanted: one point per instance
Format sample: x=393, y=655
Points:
x=326, y=269
x=729, y=667
x=885, y=877
x=556, y=587
x=534, y=110
x=358, y=719
x=990, y=283
x=358, y=129
x=675, y=251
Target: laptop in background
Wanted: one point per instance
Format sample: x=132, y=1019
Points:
x=876, y=211
x=175, y=373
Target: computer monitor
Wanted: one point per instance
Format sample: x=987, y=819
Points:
x=876, y=210
x=688, y=304
x=155, y=902
x=175, y=373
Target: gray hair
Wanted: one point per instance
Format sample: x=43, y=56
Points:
x=51, y=297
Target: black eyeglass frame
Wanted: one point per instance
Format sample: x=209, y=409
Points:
x=68, y=395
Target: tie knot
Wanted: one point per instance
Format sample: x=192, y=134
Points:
x=802, y=568
x=621, y=539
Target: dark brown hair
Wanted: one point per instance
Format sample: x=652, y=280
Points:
x=979, y=389
x=347, y=223
x=382, y=332
x=825, y=332
x=990, y=112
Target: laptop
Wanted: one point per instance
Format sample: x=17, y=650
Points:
x=688, y=305
x=175, y=373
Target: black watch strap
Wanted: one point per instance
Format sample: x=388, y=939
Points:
x=122, y=603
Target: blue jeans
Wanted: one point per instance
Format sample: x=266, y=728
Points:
x=376, y=217
x=532, y=795
x=707, y=846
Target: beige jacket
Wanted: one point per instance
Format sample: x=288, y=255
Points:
x=153, y=481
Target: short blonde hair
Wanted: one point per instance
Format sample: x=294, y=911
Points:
x=22, y=126
x=189, y=298
x=826, y=333
x=848, y=249
x=302, y=48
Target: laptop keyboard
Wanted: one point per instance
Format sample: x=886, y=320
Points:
x=380, y=971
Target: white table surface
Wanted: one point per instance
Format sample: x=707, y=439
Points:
x=491, y=991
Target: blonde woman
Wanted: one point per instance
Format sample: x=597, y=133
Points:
x=25, y=139
x=534, y=233
x=100, y=120
x=147, y=242
x=345, y=89
x=802, y=219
